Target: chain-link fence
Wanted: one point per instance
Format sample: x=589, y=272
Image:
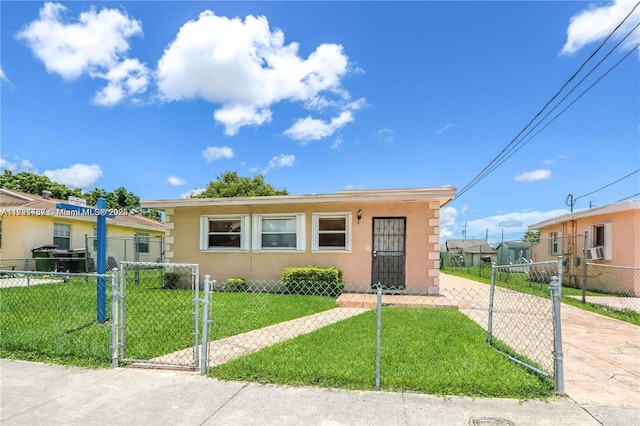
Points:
x=301, y=333
x=48, y=258
x=139, y=248
x=352, y=336
x=53, y=315
x=156, y=311
x=613, y=287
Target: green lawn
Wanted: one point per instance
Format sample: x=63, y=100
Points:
x=53, y=322
x=437, y=351
x=520, y=282
x=57, y=322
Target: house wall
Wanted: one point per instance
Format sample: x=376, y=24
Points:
x=21, y=234
x=422, y=242
x=625, y=247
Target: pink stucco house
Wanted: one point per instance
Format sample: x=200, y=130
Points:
x=387, y=236
x=612, y=236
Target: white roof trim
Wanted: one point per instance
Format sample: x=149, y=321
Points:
x=596, y=211
x=443, y=194
x=13, y=194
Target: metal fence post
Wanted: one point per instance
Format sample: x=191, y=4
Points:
x=558, y=357
x=114, y=318
x=122, y=314
x=204, y=355
x=492, y=290
x=195, y=288
x=584, y=268
x=378, y=333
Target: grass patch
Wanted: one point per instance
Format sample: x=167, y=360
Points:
x=57, y=322
x=434, y=351
x=53, y=322
x=519, y=282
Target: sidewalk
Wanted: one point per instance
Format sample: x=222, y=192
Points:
x=33, y=393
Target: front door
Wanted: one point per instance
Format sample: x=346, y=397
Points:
x=388, y=252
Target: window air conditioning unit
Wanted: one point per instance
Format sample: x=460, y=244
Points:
x=596, y=253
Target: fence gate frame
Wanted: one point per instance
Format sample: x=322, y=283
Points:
x=555, y=302
x=119, y=312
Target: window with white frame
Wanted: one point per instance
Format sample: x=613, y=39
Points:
x=555, y=242
x=281, y=232
x=600, y=239
x=62, y=235
x=224, y=233
x=331, y=232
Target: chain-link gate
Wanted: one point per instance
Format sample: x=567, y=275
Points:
x=156, y=314
x=525, y=327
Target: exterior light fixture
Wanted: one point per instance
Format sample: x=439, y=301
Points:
x=359, y=215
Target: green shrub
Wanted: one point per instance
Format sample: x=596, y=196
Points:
x=237, y=284
x=312, y=280
x=171, y=280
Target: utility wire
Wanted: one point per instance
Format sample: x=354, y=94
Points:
x=499, y=159
x=522, y=143
x=608, y=185
x=629, y=197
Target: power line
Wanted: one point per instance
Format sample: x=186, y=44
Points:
x=510, y=148
x=522, y=143
x=608, y=185
x=629, y=197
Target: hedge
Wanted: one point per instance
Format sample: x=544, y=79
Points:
x=312, y=280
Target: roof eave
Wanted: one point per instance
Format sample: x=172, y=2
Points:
x=443, y=195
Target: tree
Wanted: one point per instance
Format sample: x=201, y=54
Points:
x=531, y=237
x=32, y=183
x=229, y=184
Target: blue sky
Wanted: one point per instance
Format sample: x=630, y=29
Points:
x=162, y=97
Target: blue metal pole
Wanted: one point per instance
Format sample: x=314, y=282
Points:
x=101, y=261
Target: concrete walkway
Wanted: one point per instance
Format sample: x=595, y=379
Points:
x=223, y=350
x=601, y=354
x=39, y=394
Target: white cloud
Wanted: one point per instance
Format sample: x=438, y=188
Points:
x=195, y=191
x=596, y=22
x=175, y=180
x=76, y=176
x=18, y=165
x=534, y=175
x=246, y=67
x=94, y=44
x=448, y=217
x=126, y=79
x=558, y=157
x=236, y=116
x=278, y=162
x=337, y=143
x=385, y=135
x=310, y=129
x=2, y=75
x=445, y=128
x=510, y=225
x=213, y=153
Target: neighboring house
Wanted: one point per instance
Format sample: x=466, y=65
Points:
x=28, y=221
x=386, y=236
x=611, y=233
x=510, y=252
x=469, y=252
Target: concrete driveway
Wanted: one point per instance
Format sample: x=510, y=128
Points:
x=601, y=354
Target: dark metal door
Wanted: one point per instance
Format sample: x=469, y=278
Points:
x=388, y=252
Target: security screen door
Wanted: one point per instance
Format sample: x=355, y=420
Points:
x=388, y=252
